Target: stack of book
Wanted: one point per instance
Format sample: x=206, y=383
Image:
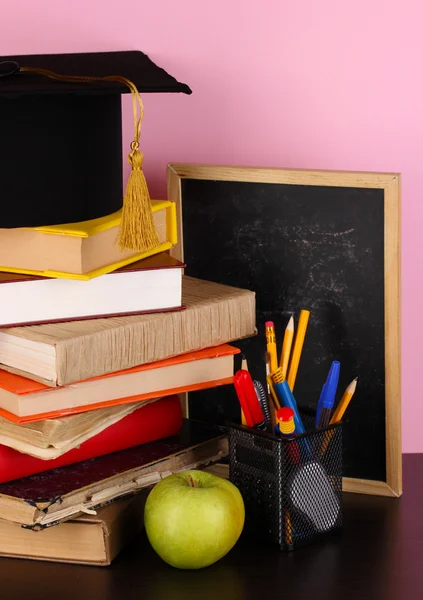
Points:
x=77, y=271
x=95, y=343
x=94, y=348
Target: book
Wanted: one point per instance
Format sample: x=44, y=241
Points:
x=148, y=423
x=23, y=397
x=50, y=498
x=150, y=285
x=60, y=354
x=87, y=540
x=59, y=431
x=80, y=250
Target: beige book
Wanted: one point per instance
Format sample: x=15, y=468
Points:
x=60, y=431
x=77, y=248
x=63, y=353
x=64, y=444
x=89, y=539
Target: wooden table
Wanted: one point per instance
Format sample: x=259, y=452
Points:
x=379, y=555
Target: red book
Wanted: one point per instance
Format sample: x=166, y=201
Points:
x=149, y=423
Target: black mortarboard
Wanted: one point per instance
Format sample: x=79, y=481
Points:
x=61, y=134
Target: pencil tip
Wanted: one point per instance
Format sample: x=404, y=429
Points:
x=291, y=323
x=353, y=385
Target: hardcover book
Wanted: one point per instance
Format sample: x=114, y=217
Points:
x=86, y=540
x=55, y=496
x=30, y=400
x=148, y=423
x=60, y=354
x=80, y=250
x=150, y=285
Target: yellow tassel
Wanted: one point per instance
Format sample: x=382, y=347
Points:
x=137, y=230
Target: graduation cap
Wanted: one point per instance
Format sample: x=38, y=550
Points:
x=61, y=140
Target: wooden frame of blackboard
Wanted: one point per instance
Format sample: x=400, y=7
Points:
x=390, y=184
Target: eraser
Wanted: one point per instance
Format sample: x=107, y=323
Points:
x=269, y=324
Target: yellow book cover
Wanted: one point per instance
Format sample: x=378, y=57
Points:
x=80, y=250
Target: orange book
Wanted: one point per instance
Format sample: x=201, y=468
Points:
x=23, y=400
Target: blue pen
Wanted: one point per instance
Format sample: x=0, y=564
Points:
x=327, y=396
x=286, y=398
x=319, y=404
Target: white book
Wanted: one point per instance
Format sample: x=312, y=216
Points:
x=149, y=285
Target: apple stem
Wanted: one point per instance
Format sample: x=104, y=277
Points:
x=191, y=481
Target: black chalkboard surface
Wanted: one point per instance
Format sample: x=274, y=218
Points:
x=322, y=246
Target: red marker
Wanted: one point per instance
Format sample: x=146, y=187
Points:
x=248, y=400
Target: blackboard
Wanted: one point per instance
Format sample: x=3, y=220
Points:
x=324, y=241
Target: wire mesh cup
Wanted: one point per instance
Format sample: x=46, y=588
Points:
x=292, y=488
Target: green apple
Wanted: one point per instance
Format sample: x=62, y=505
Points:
x=193, y=518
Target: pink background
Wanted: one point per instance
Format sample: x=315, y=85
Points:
x=316, y=84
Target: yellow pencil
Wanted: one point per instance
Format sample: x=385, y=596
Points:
x=271, y=345
x=288, y=528
x=298, y=346
x=273, y=395
x=244, y=366
x=343, y=403
x=286, y=346
x=339, y=413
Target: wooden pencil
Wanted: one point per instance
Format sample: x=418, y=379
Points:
x=298, y=347
x=286, y=346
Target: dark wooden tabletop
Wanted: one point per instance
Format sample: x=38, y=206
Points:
x=378, y=555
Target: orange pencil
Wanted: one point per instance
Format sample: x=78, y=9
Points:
x=344, y=402
x=339, y=412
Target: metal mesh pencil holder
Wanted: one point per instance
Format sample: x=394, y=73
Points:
x=292, y=488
